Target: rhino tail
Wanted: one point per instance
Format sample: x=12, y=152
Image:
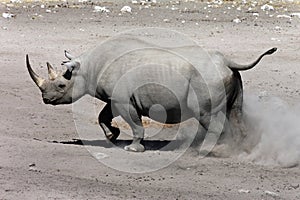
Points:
x=235, y=66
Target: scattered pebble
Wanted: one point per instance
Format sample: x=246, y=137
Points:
x=244, y=191
x=237, y=21
x=7, y=15
x=174, y=8
x=126, y=9
x=134, y=2
x=272, y=194
x=284, y=16
x=295, y=15
x=275, y=39
x=277, y=28
x=267, y=7
x=33, y=168
x=101, y=9
x=166, y=20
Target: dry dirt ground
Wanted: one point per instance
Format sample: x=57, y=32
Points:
x=39, y=158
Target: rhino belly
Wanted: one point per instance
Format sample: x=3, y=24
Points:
x=163, y=106
x=168, y=116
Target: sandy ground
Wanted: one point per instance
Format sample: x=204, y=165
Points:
x=40, y=160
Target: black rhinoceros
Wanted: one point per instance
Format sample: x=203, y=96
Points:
x=145, y=80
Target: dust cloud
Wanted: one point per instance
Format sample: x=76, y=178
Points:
x=274, y=131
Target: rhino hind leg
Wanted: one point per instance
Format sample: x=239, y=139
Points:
x=105, y=118
x=235, y=114
x=214, y=125
x=133, y=118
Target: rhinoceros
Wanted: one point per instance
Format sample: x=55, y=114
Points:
x=146, y=80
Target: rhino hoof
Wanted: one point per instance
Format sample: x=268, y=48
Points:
x=112, y=137
x=135, y=148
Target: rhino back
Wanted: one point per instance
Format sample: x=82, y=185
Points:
x=153, y=75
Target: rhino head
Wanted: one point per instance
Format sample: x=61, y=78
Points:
x=60, y=87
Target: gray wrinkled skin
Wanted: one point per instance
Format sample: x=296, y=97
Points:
x=134, y=77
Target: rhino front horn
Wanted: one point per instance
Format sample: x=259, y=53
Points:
x=38, y=80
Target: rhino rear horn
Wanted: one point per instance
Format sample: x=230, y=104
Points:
x=38, y=80
x=51, y=72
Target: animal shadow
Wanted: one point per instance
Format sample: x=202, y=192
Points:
x=162, y=145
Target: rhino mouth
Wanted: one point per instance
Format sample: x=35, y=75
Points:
x=50, y=101
x=46, y=101
x=55, y=102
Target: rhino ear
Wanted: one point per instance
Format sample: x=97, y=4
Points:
x=72, y=65
x=67, y=75
x=68, y=55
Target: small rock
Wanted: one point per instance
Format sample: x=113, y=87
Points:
x=272, y=194
x=267, y=7
x=295, y=15
x=126, y=9
x=31, y=165
x=244, y=191
x=174, y=8
x=101, y=9
x=33, y=168
x=284, y=16
x=7, y=15
x=134, y=2
x=277, y=28
x=275, y=39
x=237, y=21
x=166, y=20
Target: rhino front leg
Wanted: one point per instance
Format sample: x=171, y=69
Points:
x=105, y=118
x=131, y=116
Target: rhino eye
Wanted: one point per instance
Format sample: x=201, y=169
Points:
x=61, y=85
